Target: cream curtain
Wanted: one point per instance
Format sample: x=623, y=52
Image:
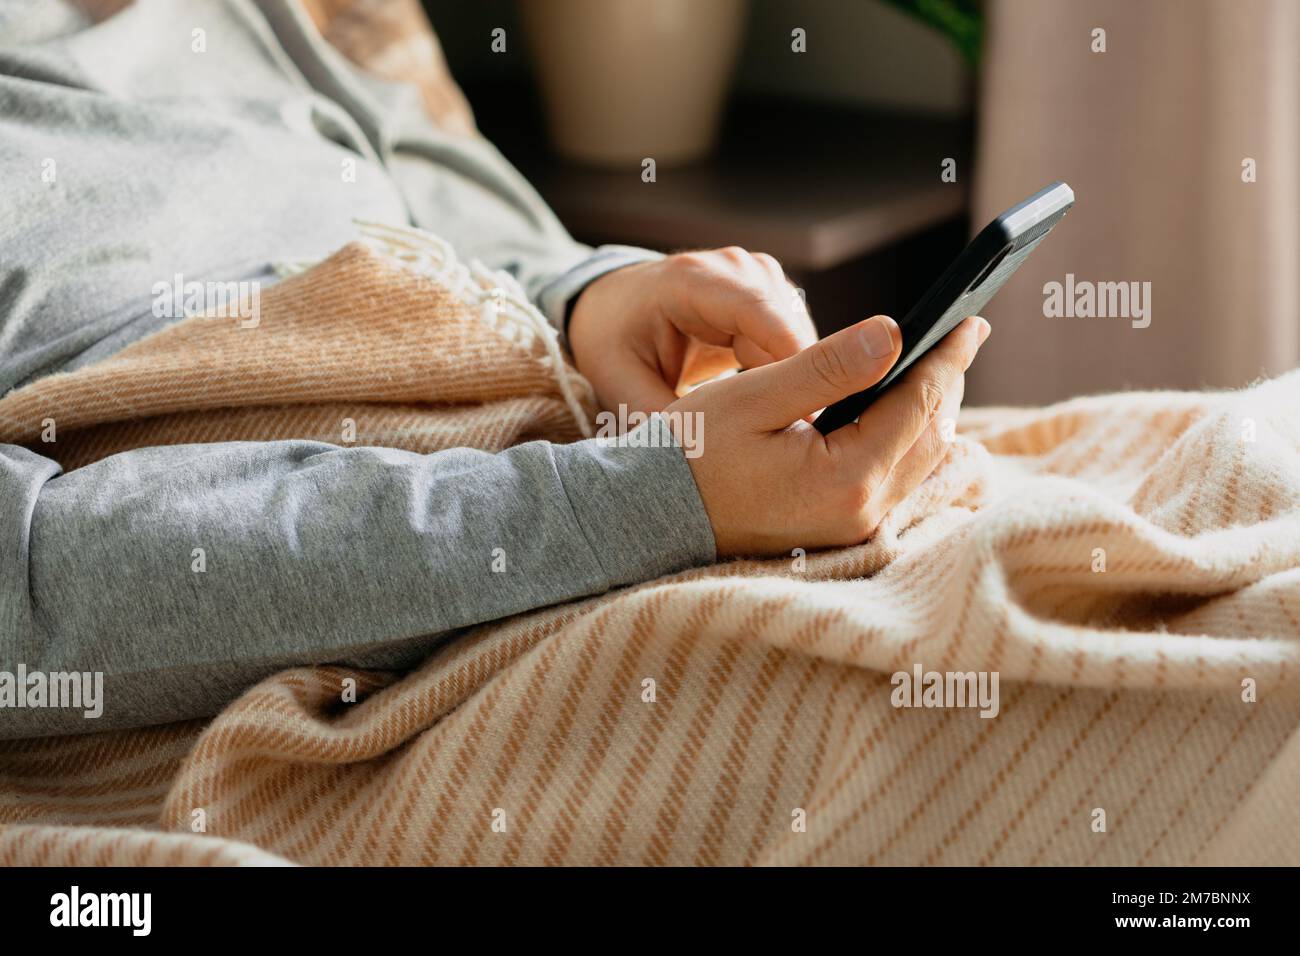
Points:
x=1152, y=135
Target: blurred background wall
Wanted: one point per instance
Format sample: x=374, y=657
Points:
x=868, y=54
x=1151, y=133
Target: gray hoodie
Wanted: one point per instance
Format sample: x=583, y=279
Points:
x=127, y=157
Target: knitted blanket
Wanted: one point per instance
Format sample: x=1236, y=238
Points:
x=1127, y=566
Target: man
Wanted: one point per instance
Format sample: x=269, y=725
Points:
x=210, y=140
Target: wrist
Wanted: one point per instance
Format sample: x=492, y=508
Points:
x=635, y=498
x=558, y=299
x=598, y=311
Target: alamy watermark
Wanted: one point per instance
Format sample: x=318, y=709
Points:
x=944, y=689
x=1102, y=300
x=630, y=429
x=179, y=299
x=133, y=911
x=76, y=690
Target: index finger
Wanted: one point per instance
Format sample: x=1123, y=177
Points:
x=779, y=329
x=721, y=312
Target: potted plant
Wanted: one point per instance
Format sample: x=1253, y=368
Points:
x=623, y=80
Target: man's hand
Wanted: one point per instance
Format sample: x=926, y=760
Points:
x=771, y=482
x=630, y=328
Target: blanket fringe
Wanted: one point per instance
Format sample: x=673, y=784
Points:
x=494, y=295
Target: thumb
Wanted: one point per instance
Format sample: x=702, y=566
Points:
x=835, y=367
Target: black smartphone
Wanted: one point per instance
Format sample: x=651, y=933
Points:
x=964, y=289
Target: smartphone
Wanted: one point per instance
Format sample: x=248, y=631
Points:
x=964, y=289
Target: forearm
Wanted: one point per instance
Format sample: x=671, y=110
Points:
x=185, y=573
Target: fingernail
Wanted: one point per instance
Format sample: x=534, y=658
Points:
x=876, y=337
x=985, y=329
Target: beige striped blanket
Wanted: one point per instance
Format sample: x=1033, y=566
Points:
x=1128, y=565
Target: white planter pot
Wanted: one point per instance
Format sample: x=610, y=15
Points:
x=626, y=80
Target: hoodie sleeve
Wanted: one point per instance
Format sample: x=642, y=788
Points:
x=183, y=574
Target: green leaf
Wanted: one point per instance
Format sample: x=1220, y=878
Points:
x=961, y=21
